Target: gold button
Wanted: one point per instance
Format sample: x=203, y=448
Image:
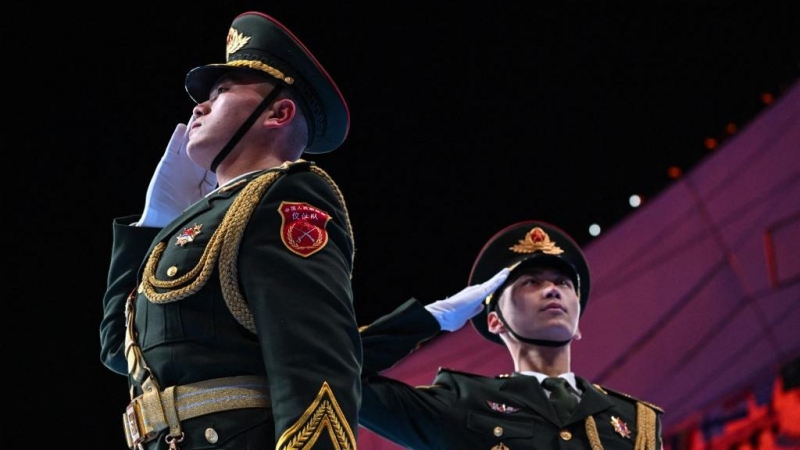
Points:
x=211, y=436
x=172, y=271
x=498, y=431
x=565, y=435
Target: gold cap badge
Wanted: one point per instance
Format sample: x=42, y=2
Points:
x=536, y=240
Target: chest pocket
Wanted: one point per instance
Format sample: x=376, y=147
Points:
x=189, y=320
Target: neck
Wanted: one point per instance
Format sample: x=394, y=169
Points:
x=234, y=167
x=551, y=361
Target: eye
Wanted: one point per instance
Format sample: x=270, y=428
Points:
x=220, y=89
x=529, y=281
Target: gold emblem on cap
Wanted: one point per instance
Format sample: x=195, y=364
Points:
x=536, y=240
x=236, y=41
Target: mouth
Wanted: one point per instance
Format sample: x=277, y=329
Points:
x=192, y=127
x=554, y=306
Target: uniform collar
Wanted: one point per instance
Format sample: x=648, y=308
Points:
x=569, y=376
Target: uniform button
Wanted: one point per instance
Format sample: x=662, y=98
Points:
x=211, y=436
x=565, y=435
x=498, y=431
x=172, y=271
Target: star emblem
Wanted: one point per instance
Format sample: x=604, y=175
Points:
x=620, y=427
x=188, y=235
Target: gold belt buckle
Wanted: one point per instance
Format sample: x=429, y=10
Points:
x=132, y=423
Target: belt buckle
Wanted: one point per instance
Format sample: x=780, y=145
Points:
x=132, y=423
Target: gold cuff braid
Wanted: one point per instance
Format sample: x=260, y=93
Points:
x=323, y=416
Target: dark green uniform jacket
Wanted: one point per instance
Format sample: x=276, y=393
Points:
x=472, y=412
x=254, y=281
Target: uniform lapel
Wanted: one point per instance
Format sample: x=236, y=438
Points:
x=592, y=401
x=527, y=390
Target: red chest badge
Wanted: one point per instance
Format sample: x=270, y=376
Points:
x=303, y=228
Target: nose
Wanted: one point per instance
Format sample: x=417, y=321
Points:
x=551, y=291
x=200, y=109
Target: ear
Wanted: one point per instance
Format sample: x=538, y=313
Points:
x=495, y=325
x=280, y=113
x=577, y=336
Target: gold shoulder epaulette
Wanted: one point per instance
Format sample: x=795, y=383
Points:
x=616, y=393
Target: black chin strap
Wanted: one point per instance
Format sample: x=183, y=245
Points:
x=539, y=342
x=246, y=126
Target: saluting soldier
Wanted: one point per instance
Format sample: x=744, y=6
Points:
x=529, y=288
x=229, y=302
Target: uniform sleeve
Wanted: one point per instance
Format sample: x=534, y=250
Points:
x=391, y=408
x=394, y=336
x=409, y=416
x=294, y=267
x=129, y=248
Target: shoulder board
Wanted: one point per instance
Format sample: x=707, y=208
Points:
x=464, y=374
x=286, y=167
x=608, y=391
x=292, y=166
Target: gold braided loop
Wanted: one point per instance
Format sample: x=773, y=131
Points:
x=591, y=432
x=236, y=220
x=223, y=247
x=201, y=273
x=242, y=206
x=338, y=193
x=646, y=424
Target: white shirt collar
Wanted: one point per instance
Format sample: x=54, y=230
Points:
x=569, y=376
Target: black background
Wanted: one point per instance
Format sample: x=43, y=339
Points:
x=465, y=119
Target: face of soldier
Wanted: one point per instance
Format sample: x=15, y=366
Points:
x=231, y=101
x=541, y=303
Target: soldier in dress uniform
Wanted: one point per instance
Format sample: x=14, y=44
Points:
x=529, y=288
x=229, y=302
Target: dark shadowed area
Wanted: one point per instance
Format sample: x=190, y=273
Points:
x=464, y=120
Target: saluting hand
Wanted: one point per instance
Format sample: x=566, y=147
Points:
x=176, y=183
x=453, y=312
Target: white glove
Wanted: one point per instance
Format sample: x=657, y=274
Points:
x=176, y=184
x=453, y=312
